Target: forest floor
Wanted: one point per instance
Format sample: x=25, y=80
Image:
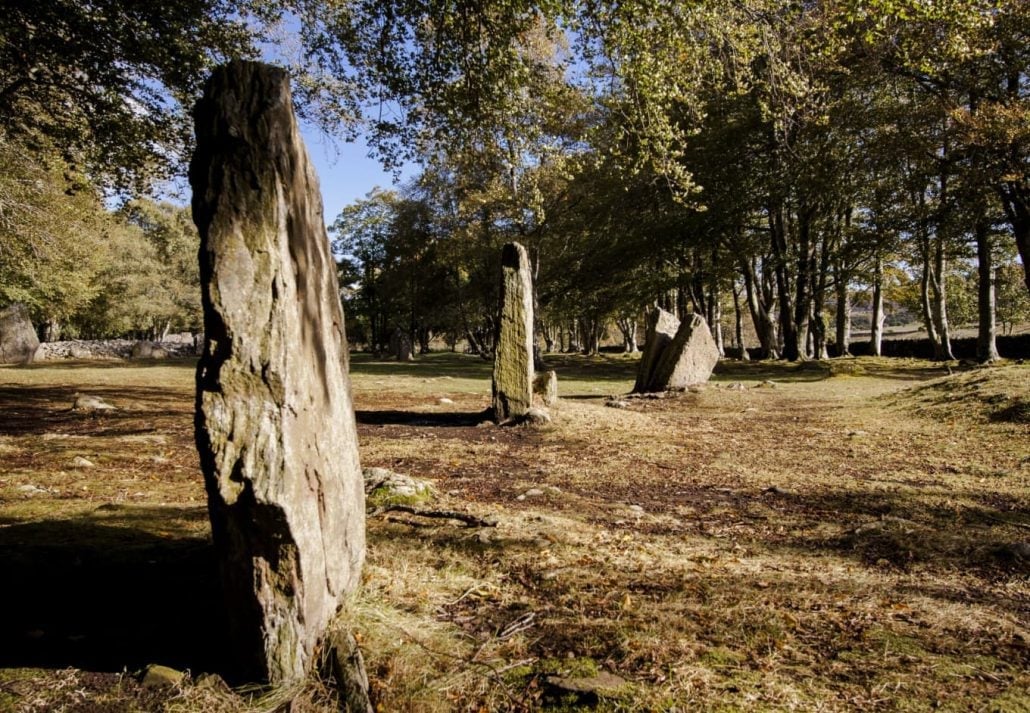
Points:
x=853, y=535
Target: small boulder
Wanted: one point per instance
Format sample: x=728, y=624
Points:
x=88, y=402
x=157, y=676
x=536, y=416
x=148, y=350
x=383, y=487
x=80, y=462
x=588, y=690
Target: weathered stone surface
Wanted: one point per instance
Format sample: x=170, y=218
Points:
x=142, y=350
x=513, y=358
x=688, y=360
x=347, y=666
x=589, y=689
x=275, y=422
x=18, y=340
x=545, y=385
x=88, y=402
x=383, y=486
x=536, y=416
x=661, y=330
x=157, y=676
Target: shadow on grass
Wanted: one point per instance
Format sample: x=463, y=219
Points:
x=458, y=366
x=31, y=410
x=885, y=368
x=103, y=597
x=416, y=418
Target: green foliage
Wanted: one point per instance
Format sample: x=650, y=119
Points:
x=81, y=268
x=111, y=82
x=52, y=236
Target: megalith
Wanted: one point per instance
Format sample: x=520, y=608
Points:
x=677, y=355
x=513, y=356
x=18, y=340
x=661, y=329
x=545, y=385
x=400, y=345
x=275, y=424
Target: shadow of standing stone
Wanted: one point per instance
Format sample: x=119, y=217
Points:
x=274, y=424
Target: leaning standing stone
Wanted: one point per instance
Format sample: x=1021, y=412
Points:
x=661, y=329
x=513, y=359
x=275, y=424
x=688, y=359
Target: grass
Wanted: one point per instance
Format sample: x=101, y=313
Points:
x=849, y=536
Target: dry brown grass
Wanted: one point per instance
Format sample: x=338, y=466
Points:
x=850, y=537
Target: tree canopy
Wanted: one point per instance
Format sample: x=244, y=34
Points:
x=795, y=155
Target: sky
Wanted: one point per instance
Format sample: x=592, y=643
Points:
x=345, y=172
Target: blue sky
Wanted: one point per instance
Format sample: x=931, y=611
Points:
x=345, y=172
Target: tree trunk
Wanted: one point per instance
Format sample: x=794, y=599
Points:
x=926, y=279
x=715, y=318
x=803, y=284
x=52, y=331
x=876, y=335
x=738, y=323
x=1015, y=198
x=986, y=342
x=761, y=306
x=788, y=327
x=628, y=328
x=939, y=305
x=818, y=320
x=843, y=316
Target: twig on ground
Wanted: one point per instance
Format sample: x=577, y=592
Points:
x=470, y=520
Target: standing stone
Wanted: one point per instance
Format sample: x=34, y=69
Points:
x=661, y=330
x=688, y=359
x=18, y=340
x=513, y=359
x=545, y=385
x=274, y=423
x=400, y=345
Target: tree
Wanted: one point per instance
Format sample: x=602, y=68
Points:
x=111, y=82
x=53, y=231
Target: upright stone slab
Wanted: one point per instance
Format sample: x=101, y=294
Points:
x=513, y=358
x=661, y=329
x=274, y=422
x=400, y=345
x=18, y=340
x=688, y=359
x=545, y=385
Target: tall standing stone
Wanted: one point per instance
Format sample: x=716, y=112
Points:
x=274, y=421
x=18, y=341
x=513, y=358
